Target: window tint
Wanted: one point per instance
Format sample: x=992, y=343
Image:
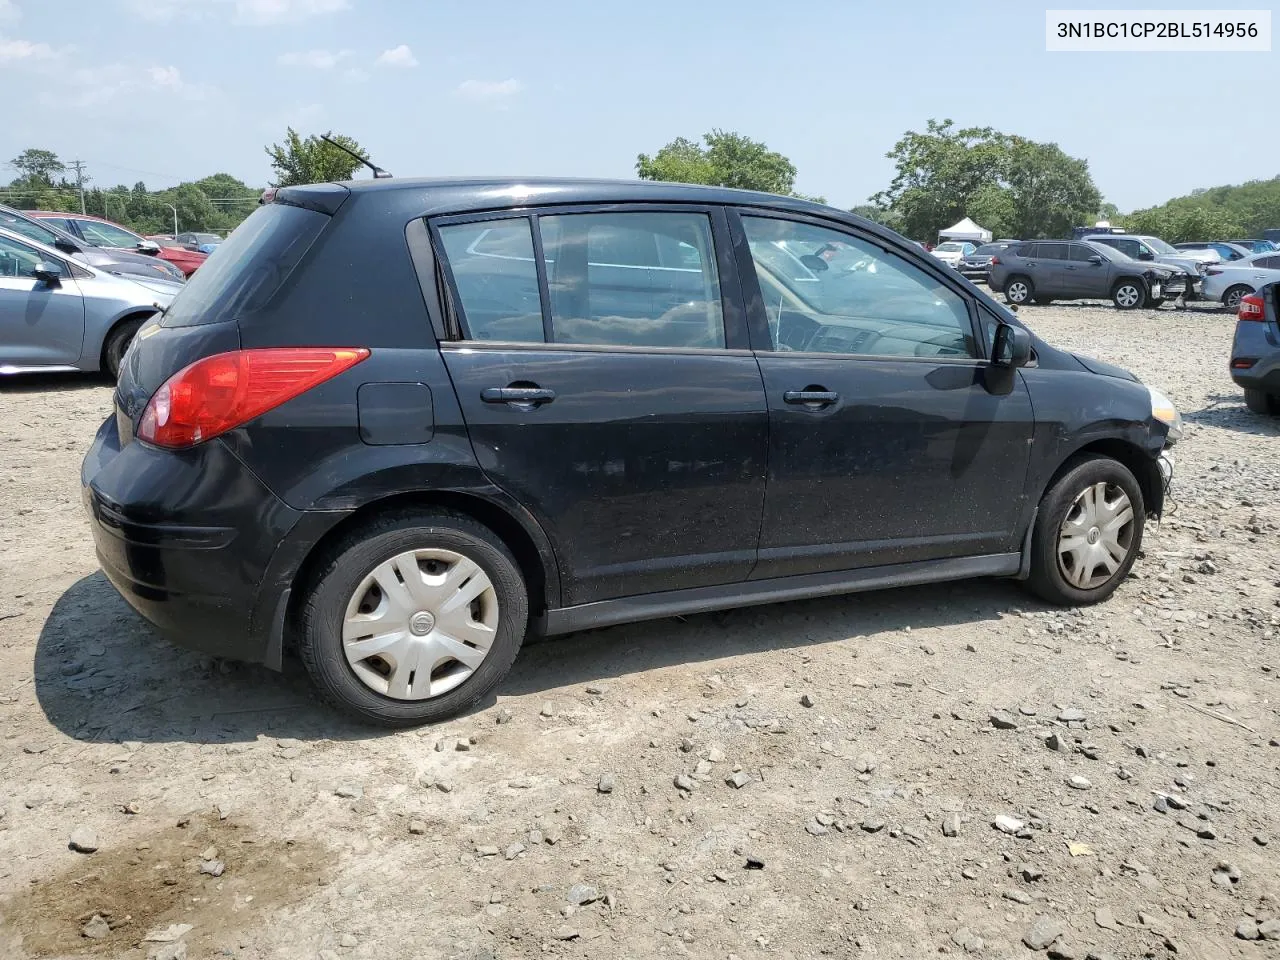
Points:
x=60, y=222
x=990, y=249
x=1028, y=250
x=1269, y=263
x=1129, y=248
x=496, y=279
x=1053, y=251
x=17, y=260
x=106, y=235
x=1081, y=254
x=633, y=279
x=27, y=228
x=872, y=304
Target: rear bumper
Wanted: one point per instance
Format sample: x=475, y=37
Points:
x=195, y=543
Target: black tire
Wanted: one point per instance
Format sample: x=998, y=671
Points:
x=1259, y=401
x=1044, y=301
x=1233, y=295
x=1019, y=289
x=1129, y=294
x=1047, y=579
x=345, y=566
x=116, y=344
x=1156, y=303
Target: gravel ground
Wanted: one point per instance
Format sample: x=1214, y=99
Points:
x=817, y=778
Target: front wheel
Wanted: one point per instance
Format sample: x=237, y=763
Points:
x=1088, y=533
x=1128, y=295
x=413, y=618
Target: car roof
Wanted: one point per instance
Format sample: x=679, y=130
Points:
x=74, y=216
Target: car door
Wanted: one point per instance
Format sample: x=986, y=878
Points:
x=1087, y=272
x=887, y=442
x=41, y=323
x=609, y=387
x=1052, y=278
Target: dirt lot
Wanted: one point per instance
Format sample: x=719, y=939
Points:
x=471, y=840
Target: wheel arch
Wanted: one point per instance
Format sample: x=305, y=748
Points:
x=98, y=349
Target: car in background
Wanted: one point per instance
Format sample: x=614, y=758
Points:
x=1230, y=282
x=1042, y=271
x=953, y=251
x=58, y=313
x=1150, y=249
x=360, y=467
x=105, y=258
x=1257, y=245
x=1224, y=248
x=198, y=239
x=104, y=233
x=976, y=266
x=1255, y=350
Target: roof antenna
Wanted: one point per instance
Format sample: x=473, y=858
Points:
x=378, y=172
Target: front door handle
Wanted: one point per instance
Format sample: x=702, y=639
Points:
x=527, y=395
x=817, y=397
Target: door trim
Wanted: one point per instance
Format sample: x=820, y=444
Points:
x=656, y=606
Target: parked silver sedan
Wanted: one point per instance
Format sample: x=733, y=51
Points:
x=1228, y=282
x=59, y=314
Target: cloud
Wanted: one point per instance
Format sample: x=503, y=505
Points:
x=169, y=77
x=11, y=50
x=9, y=11
x=488, y=90
x=315, y=59
x=92, y=86
x=355, y=74
x=250, y=12
x=400, y=56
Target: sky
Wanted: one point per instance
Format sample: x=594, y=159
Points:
x=169, y=90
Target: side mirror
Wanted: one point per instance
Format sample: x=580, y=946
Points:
x=1012, y=347
x=148, y=246
x=1096, y=260
x=48, y=273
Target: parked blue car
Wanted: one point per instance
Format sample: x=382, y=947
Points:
x=1255, y=351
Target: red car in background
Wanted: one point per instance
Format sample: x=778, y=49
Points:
x=104, y=233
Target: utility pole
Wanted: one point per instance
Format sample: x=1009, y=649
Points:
x=78, y=167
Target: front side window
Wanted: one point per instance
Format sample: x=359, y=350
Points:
x=872, y=304
x=106, y=234
x=18, y=261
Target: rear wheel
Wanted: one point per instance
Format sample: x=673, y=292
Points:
x=413, y=619
x=1088, y=533
x=1019, y=290
x=117, y=342
x=1129, y=294
x=1259, y=401
x=1231, y=299
x=1155, y=302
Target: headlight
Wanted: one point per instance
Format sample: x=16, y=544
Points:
x=1162, y=409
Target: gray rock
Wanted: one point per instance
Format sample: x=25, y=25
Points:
x=594, y=690
x=1071, y=715
x=754, y=861
x=580, y=894
x=1160, y=805
x=1007, y=824
x=1055, y=743
x=1042, y=933
x=1104, y=918
x=487, y=850
x=96, y=928
x=702, y=768
x=348, y=941
x=1027, y=710
x=548, y=709
x=1247, y=929
x=349, y=791
x=605, y=785
x=865, y=763
x=212, y=868
x=1002, y=721
x=951, y=825
x=686, y=745
x=1031, y=874
x=462, y=745
x=417, y=828
x=715, y=755
x=566, y=933
x=806, y=700
x=503, y=715
x=514, y=851
x=683, y=783
x=969, y=873
x=444, y=786
x=816, y=829
x=1017, y=896
x=967, y=940
x=83, y=840
x=1064, y=951
x=737, y=780
x=1270, y=929
x=873, y=825
x=1079, y=783
x=168, y=951
x=169, y=934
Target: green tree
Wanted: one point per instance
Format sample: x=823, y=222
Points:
x=727, y=160
x=886, y=216
x=312, y=160
x=37, y=168
x=1050, y=191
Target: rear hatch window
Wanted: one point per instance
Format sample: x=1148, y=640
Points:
x=248, y=267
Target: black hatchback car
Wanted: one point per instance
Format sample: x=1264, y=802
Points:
x=399, y=425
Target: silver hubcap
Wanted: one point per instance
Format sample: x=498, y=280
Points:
x=1127, y=295
x=1233, y=299
x=420, y=624
x=1096, y=536
x=1017, y=291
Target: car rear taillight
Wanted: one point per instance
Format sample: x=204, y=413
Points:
x=1243, y=363
x=218, y=393
x=1251, y=308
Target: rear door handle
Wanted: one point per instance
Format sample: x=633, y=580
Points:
x=531, y=395
x=821, y=397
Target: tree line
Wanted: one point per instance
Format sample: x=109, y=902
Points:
x=1013, y=186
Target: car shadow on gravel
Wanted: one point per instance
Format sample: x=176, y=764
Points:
x=1227, y=411
x=51, y=382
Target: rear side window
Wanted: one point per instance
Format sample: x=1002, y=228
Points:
x=1028, y=250
x=1053, y=251
x=1269, y=263
x=496, y=279
x=249, y=266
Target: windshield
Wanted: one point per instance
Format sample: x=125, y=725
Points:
x=1158, y=245
x=949, y=247
x=990, y=249
x=107, y=234
x=248, y=267
x=28, y=228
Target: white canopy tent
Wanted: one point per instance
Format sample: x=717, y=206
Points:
x=966, y=229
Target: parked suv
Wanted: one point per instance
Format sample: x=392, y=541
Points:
x=1255, y=350
x=1047, y=270
x=401, y=424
